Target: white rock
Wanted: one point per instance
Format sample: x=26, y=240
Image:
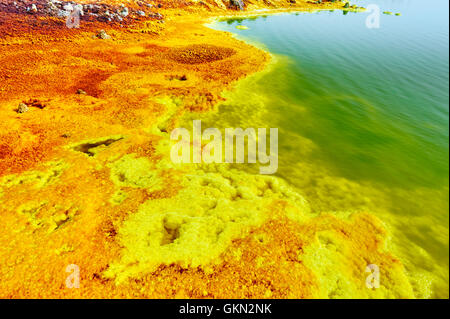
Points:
x=123, y=11
x=68, y=7
x=102, y=35
x=32, y=8
x=63, y=13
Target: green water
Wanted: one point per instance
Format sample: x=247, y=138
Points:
x=363, y=118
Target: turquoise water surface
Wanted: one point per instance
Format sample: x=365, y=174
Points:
x=363, y=118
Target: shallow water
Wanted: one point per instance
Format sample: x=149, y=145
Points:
x=363, y=118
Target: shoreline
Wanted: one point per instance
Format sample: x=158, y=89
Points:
x=416, y=268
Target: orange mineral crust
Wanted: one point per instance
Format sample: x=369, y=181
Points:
x=86, y=177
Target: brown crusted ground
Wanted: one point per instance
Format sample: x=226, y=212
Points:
x=42, y=60
x=200, y=53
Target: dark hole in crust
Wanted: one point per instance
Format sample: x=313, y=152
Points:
x=87, y=147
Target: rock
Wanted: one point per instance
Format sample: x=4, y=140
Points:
x=123, y=11
x=106, y=16
x=157, y=16
x=80, y=91
x=51, y=8
x=63, y=13
x=140, y=13
x=32, y=9
x=103, y=35
x=23, y=108
x=94, y=8
x=68, y=7
x=237, y=4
